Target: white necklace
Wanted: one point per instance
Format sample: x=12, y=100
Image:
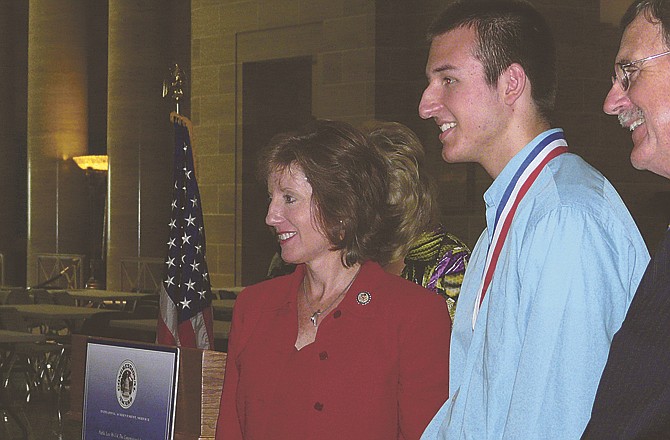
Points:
x=315, y=315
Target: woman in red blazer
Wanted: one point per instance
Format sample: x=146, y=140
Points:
x=339, y=349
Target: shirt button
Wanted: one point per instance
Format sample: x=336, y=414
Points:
x=323, y=355
x=337, y=314
x=318, y=406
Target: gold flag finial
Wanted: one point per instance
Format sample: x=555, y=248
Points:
x=174, y=85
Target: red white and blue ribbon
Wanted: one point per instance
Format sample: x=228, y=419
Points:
x=552, y=145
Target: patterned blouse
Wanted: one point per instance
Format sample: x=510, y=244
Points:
x=437, y=261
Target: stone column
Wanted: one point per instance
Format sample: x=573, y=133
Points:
x=13, y=170
x=144, y=41
x=57, y=129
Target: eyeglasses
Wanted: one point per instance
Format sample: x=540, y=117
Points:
x=622, y=71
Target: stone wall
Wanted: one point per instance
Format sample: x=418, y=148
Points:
x=338, y=35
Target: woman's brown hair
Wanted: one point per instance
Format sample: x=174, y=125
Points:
x=348, y=183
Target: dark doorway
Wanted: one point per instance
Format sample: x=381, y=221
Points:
x=276, y=97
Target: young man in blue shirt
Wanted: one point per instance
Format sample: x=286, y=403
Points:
x=552, y=275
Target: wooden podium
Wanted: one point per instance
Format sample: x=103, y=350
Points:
x=198, y=393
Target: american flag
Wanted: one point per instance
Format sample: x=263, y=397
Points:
x=185, y=295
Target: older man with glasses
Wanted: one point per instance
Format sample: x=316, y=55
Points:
x=633, y=398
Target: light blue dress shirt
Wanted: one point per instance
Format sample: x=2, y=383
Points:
x=565, y=278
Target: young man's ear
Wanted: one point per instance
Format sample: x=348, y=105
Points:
x=513, y=82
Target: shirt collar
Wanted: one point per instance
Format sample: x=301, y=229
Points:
x=494, y=194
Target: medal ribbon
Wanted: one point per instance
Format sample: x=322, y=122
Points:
x=551, y=146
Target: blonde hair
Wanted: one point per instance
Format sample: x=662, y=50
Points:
x=411, y=193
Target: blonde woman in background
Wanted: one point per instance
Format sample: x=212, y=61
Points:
x=419, y=247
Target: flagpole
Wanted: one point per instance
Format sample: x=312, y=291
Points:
x=186, y=317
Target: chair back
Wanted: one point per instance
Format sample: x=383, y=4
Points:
x=18, y=296
x=42, y=296
x=63, y=298
x=10, y=319
x=147, y=307
x=98, y=325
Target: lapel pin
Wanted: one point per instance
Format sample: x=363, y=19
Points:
x=363, y=298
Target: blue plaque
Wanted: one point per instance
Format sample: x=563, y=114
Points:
x=130, y=391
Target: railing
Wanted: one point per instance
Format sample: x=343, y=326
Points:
x=64, y=271
x=141, y=274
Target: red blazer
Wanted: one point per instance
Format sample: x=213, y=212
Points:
x=375, y=371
